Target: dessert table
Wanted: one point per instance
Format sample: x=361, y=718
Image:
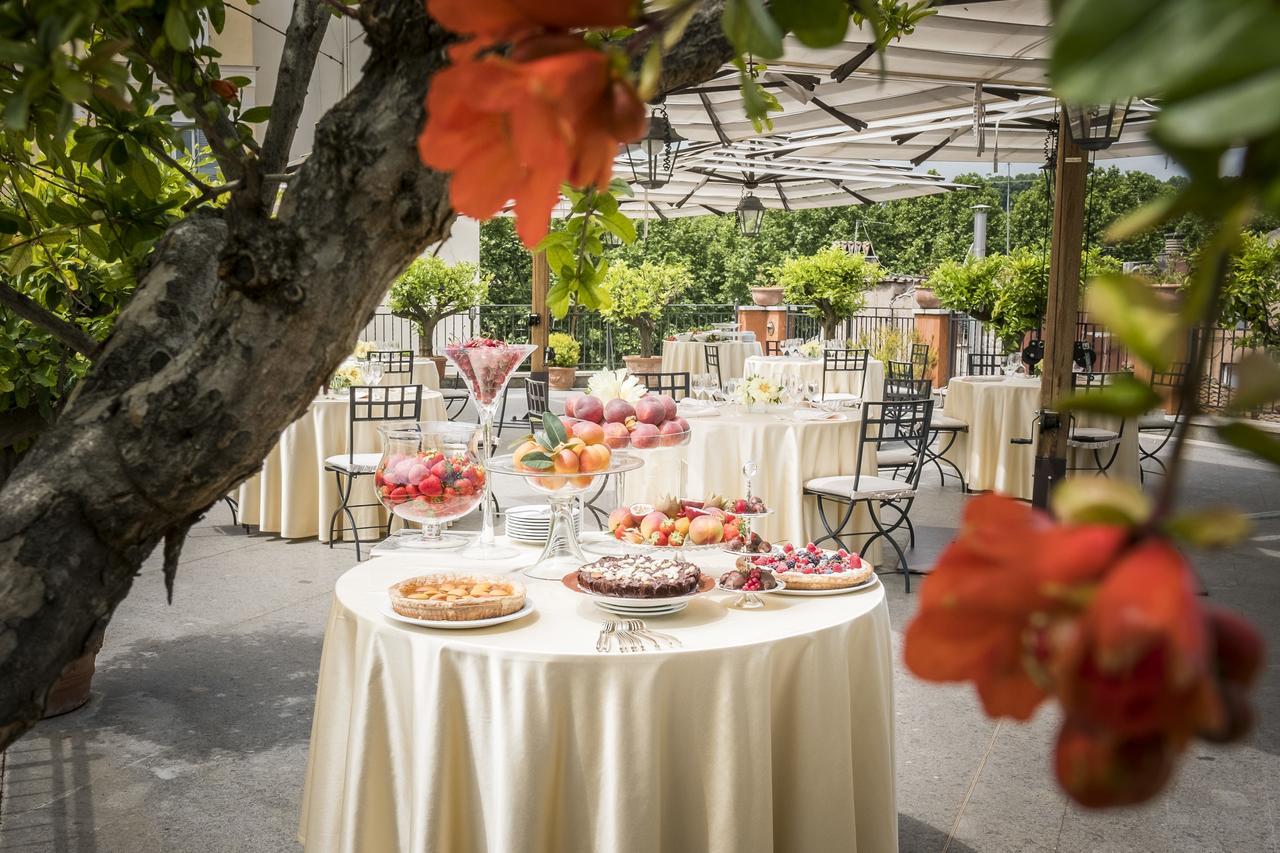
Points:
x=780, y=367
x=293, y=495
x=998, y=410
x=767, y=730
x=690, y=357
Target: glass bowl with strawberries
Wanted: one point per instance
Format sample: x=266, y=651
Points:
x=430, y=473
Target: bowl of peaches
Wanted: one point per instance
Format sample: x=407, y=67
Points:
x=686, y=523
x=559, y=461
x=650, y=422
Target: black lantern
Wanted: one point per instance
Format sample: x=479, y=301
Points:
x=750, y=213
x=653, y=157
x=1095, y=127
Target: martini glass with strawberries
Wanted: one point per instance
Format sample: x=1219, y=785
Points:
x=487, y=365
x=430, y=473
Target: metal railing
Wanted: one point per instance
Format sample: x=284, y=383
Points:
x=970, y=336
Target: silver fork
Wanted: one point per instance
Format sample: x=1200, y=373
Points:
x=605, y=640
x=658, y=638
x=632, y=641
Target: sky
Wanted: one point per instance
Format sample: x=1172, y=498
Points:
x=1155, y=165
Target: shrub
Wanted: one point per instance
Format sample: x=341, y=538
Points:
x=637, y=295
x=564, y=350
x=430, y=290
x=832, y=280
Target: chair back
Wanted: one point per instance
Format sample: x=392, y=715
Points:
x=907, y=389
x=711, y=352
x=535, y=395
x=985, y=364
x=675, y=383
x=845, y=360
x=901, y=370
x=773, y=348
x=394, y=360
x=920, y=357
x=1091, y=383
x=1168, y=383
x=396, y=403
x=901, y=422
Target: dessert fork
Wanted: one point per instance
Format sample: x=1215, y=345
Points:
x=605, y=639
x=639, y=629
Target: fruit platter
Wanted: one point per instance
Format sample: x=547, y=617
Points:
x=686, y=523
x=650, y=422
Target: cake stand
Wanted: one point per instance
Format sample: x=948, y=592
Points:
x=562, y=553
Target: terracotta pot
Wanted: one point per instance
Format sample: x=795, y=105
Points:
x=71, y=690
x=440, y=361
x=561, y=378
x=643, y=364
x=926, y=298
x=766, y=296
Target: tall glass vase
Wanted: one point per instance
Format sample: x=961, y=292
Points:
x=487, y=367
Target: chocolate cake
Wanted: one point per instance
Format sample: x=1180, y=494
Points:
x=638, y=576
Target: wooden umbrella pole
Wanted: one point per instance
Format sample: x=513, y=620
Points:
x=539, y=317
x=1066, y=242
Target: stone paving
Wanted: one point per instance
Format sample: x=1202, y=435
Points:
x=196, y=736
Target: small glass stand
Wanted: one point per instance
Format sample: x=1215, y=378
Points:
x=750, y=599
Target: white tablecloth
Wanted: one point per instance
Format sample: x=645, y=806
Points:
x=690, y=357
x=998, y=410
x=810, y=370
x=769, y=730
x=293, y=495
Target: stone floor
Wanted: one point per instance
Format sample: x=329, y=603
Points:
x=196, y=736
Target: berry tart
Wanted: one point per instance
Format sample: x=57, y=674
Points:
x=639, y=576
x=456, y=598
x=811, y=568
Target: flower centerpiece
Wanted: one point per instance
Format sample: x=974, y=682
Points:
x=362, y=350
x=617, y=384
x=344, y=377
x=762, y=390
x=811, y=349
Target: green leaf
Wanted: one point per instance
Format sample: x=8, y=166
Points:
x=1126, y=397
x=175, y=27
x=619, y=225
x=16, y=110
x=816, y=23
x=1137, y=315
x=536, y=460
x=554, y=428
x=751, y=29
x=1258, y=382
x=254, y=115
x=1216, y=527
x=1256, y=441
x=650, y=72
x=1248, y=109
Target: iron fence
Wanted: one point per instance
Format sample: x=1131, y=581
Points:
x=970, y=336
x=1225, y=349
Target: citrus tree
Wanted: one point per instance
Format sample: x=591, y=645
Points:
x=429, y=290
x=833, y=281
x=638, y=294
x=1251, y=292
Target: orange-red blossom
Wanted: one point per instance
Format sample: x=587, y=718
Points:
x=527, y=106
x=1027, y=608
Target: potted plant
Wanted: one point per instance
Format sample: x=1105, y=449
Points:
x=637, y=295
x=766, y=295
x=562, y=367
x=970, y=286
x=833, y=281
x=430, y=290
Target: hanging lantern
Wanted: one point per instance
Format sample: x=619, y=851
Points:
x=1095, y=127
x=750, y=213
x=653, y=157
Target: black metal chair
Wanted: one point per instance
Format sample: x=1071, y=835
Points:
x=904, y=423
x=901, y=370
x=394, y=361
x=920, y=357
x=391, y=403
x=1094, y=439
x=536, y=393
x=455, y=396
x=941, y=428
x=674, y=383
x=711, y=354
x=773, y=347
x=1158, y=423
x=844, y=361
x=985, y=364
x=234, y=505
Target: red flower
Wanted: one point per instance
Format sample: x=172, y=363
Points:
x=501, y=18
x=1099, y=770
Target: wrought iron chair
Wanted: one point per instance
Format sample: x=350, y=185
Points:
x=844, y=361
x=536, y=392
x=711, y=354
x=920, y=357
x=455, y=396
x=985, y=364
x=1158, y=423
x=396, y=403
x=674, y=383
x=901, y=370
x=896, y=422
x=234, y=505
x=394, y=361
x=1094, y=439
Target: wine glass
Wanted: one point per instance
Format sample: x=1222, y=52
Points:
x=430, y=473
x=732, y=387
x=1012, y=363
x=371, y=371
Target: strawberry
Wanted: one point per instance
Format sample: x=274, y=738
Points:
x=430, y=485
x=474, y=475
x=662, y=538
x=465, y=487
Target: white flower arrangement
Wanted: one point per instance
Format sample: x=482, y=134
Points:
x=607, y=385
x=344, y=378
x=811, y=349
x=760, y=389
x=363, y=348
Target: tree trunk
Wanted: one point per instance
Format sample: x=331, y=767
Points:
x=645, y=328
x=427, y=336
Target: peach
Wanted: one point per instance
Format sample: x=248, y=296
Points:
x=682, y=525
x=649, y=410
x=670, y=434
x=566, y=462
x=528, y=446
x=616, y=411
x=616, y=435
x=570, y=403
x=668, y=406
x=684, y=425
x=652, y=523
x=589, y=432
x=621, y=517
x=705, y=530
x=644, y=436
x=588, y=408
x=594, y=457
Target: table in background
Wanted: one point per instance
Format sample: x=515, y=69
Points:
x=293, y=495
x=690, y=357
x=768, y=730
x=779, y=367
x=998, y=410
x=424, y=374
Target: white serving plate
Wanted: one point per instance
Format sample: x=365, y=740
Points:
x=457, y=625
x=864, y=585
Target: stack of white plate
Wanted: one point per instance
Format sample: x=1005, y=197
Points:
x=641, y=607
x=532, y=522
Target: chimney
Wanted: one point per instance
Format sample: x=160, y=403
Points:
x=980, y=230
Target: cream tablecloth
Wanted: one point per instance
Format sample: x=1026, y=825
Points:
x=690, y=357
x=810, y=370
x=768, y=730
x=293, y=495
x=998, y=410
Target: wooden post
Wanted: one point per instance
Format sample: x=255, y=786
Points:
x=1067, y=237
x=539, y=316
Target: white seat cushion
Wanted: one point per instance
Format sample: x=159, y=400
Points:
x=361, y=463
x=943, y=423
x=1092, y=437
x=895, y=457
x=840, y=398
x=869, y=488
x=1156, y=421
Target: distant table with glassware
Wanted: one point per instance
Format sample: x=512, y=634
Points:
x=424, y=373
x=809, y=371
x=998, y=410
x=293, y=495
x=690, y=356
x=764, y=730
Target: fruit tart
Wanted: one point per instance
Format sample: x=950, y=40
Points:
x=812, y=568
x=456, y=598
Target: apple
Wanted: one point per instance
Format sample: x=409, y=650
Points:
x=589, y=431
x=587, y=408
x=668, y=407
x=570, y=404
x=621, y=518
x=593, y=458
x=705, y=530
x=649, y=410
x=644, y=436
x=616, y=411
x=670, y=434
x=652, y=523
x=616, y=435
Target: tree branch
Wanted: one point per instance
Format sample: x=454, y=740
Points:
x=40, y=317
x=702, y=49
x=301, y=46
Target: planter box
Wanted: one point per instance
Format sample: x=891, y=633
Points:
x=561, y=378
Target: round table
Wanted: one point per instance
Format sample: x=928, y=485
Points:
x=998, y=410
x=767, y=730
x=808, y=370
x=690, y=357
x=424, y=373
x=293, y=495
